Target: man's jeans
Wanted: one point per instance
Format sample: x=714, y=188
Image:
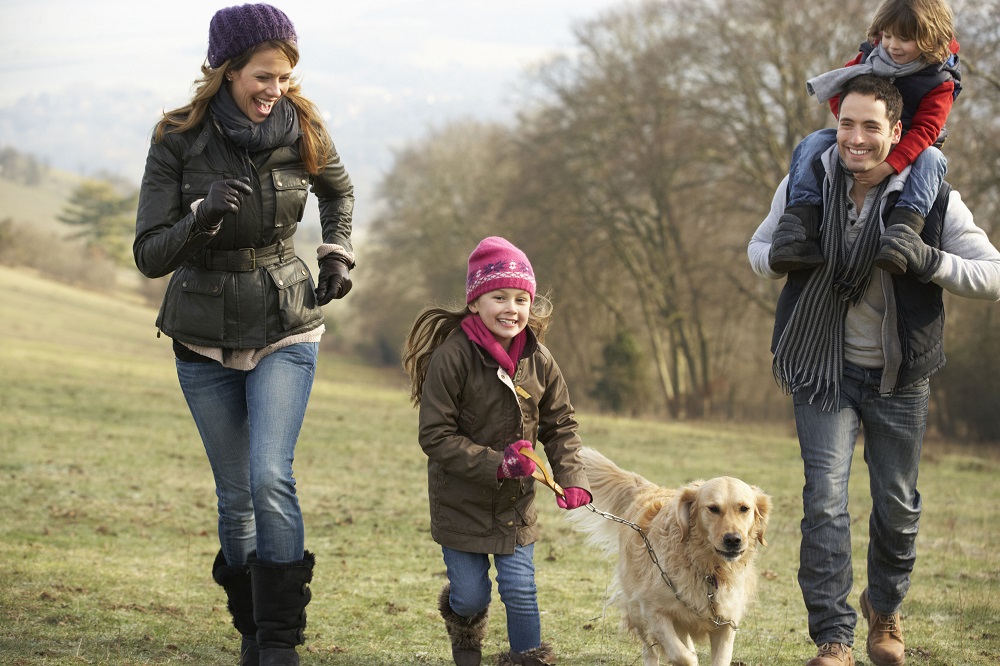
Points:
x=894, y=431
x=249, y=422
x=919, y=192
x=468, y=574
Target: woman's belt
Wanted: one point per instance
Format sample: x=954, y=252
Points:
x=244, y=259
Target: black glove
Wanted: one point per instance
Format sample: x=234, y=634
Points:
x=223, y=197
x=921, y=258
x=789, y=230
x=334, y=278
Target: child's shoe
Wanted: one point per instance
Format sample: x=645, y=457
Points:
x=803, y=254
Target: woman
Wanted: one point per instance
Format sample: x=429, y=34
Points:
x=224, y=188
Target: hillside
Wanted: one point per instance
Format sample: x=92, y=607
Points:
x=38, y=205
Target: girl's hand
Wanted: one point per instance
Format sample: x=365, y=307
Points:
x=515, y=465
x=574, y=498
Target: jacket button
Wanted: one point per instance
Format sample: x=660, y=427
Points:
x=278, y=183
x=281, y=283
x=187, y=186
x=184, y=284
x=513, y=499
x=509, y=523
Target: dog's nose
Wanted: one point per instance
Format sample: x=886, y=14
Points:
x=732, y=541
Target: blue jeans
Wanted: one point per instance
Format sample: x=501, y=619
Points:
x=919, y=192
x=894, y=431
x=249, y=422
x=468, y=574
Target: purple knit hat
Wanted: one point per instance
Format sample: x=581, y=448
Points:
x=497, y=264
x=235, y=29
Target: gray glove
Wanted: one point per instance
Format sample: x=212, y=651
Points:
x=921, y=258
x=789, y=230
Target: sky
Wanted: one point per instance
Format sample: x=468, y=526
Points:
x=82, y=83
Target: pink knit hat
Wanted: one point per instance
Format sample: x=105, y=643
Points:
x=496, y=264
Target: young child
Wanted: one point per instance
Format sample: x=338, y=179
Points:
x=487, y=388
x=912, y=42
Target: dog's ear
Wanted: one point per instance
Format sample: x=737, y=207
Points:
x=762, y=511
x=685, y=505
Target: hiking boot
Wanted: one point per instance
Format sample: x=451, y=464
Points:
x=885, y=635
x=832, y=654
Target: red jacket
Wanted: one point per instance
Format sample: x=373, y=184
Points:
x=926, y=124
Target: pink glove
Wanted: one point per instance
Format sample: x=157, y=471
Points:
x=575, y=498
x=515, y=465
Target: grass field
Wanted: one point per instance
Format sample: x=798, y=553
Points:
x=108, y=528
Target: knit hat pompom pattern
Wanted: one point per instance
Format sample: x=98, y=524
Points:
x=498, y=264
x=235, y=29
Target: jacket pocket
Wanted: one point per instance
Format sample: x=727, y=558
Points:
x=290, y=191
x=194, y=305
x=195, y=184
x=296, y=300
x=463, y=506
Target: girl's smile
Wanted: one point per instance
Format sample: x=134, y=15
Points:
x=505, y=313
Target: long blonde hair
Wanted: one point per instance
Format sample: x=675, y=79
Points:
x=315, y=146
x=435, y=324
x=929, y=23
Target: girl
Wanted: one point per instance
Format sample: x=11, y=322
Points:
x=224, y=188
x=487, y=388
x=912, y=42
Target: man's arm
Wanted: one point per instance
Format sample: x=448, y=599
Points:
x=970, y=264
x=759, y=247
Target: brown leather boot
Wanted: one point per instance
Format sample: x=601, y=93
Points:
x=832, y=654
x=885, y=635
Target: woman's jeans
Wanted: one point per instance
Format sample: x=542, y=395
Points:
x=249, y=422
x=894, y=430
x=919, y=192
x=468, y=574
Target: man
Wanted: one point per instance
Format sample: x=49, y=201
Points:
x=855, y=346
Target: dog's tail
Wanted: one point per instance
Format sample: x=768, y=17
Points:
x=614, y=490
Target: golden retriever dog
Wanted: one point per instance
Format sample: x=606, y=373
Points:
x=705, y=537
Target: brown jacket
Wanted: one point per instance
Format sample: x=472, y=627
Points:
x=468, y=415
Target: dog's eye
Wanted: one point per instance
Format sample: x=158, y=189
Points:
x=713, y=509
x=744, y=509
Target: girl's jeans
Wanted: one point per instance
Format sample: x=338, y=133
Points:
x=249, y=422
x=922, y=184
x=894, y=430
x=468, y=574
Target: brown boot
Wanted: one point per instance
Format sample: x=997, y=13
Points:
x=832, y=654
x=466, y=633
x=539, y=656
x=887, y=258
x=885, y=635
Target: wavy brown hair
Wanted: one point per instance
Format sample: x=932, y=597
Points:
x=315, y=146
x=435, y=324
x=929, y=23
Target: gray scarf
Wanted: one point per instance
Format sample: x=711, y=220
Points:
x=810, y=352
x=281, y=128
x=879, y=62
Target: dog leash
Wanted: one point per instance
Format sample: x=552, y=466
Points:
x=540, y=472
x=710, y=581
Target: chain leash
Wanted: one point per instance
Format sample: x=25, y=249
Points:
x=709, y=579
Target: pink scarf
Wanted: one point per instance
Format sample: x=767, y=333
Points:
x=478, y=333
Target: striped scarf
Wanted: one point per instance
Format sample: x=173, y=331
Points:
x=810, y=353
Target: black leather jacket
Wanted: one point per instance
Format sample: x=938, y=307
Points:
x=242, y=288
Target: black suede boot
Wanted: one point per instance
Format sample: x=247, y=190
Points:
x=235, y=580
x=466, y=633
x=888, y=259
x=539, y=656
x=803, y=254
x=281, y=593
